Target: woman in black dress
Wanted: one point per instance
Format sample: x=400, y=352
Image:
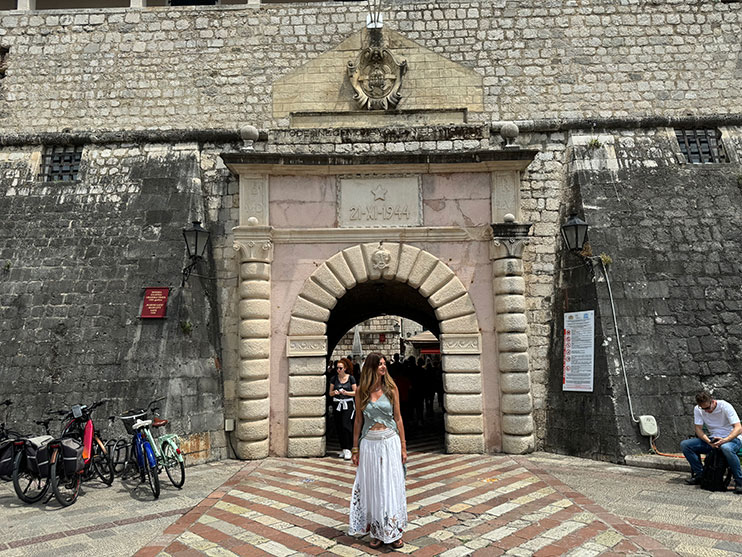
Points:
x=343, y=391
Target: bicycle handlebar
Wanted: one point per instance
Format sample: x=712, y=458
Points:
x=149, y=406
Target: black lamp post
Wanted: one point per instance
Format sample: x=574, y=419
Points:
x=196, y=239
x=574, y=232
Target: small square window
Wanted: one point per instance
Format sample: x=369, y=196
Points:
x=701, y=146
x=61, y=163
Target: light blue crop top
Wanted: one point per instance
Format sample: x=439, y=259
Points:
x=380, y=412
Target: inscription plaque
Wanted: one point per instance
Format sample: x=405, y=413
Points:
x=380, y=202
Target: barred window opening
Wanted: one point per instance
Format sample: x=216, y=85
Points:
x=701, y=146
x=61, y=163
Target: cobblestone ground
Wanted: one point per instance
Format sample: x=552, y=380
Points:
x=481, y=505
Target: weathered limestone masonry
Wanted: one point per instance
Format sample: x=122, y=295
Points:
x=156, y=95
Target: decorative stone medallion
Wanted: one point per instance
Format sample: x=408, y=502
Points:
x=376, y=76
x=381, y=258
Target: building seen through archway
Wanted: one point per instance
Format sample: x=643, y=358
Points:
x=415, y=365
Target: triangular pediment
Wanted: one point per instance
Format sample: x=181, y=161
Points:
x=433, y=84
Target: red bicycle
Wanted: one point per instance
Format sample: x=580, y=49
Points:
x=78, y=455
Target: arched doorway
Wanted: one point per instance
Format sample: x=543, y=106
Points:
x=349, y=287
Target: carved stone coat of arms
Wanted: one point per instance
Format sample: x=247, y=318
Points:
x=376, y=77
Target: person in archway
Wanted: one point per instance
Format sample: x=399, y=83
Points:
x=378, y=504
x=343, y=391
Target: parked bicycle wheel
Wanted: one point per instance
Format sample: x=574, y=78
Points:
x=102, y=462
x=152, y=478
x=118, y=451
x=28, y=486
x=66, y=487
x=174, y=468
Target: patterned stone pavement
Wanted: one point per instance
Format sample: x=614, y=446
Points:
x=458, y=505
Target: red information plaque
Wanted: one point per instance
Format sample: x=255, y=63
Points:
x=155, y=303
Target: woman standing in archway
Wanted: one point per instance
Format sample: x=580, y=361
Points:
x=342, y=391
x=378, y=504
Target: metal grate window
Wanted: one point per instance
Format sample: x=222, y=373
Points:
x=61, y=163
x=701, y=146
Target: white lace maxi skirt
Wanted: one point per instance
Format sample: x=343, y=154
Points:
x=378, y=505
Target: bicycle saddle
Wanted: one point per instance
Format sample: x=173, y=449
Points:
x=159, y=422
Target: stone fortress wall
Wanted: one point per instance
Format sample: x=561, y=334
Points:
x=554, y=68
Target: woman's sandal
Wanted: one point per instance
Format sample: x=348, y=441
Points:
x=374, y=544
x=398, y=544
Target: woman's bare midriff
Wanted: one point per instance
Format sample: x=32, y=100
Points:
x=377, y=425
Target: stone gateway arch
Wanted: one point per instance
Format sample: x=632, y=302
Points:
x=308, y=272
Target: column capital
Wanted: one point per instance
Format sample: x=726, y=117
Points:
x=255, y=245
x=509, y=239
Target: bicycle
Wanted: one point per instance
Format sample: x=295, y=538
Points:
x=7, y=446
x=167, y=449
x=30, y=474
x=143, y=456
x=78, y=455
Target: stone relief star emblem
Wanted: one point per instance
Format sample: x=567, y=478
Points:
x=379, y=193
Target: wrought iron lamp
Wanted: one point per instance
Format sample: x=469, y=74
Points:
x=574, y=233
x=196, y=239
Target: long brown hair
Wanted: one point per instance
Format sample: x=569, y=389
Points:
x=368, y=378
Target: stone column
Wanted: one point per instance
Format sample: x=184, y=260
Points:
x=26, y=5
x=253, y=405
x=511, y=324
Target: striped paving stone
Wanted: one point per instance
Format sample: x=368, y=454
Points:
x=458, y=505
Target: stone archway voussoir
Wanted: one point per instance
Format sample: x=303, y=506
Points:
x=339, y=266
x=356, y=262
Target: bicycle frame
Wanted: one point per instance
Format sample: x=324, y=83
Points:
x=143, y=448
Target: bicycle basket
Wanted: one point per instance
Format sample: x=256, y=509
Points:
x=130, y=418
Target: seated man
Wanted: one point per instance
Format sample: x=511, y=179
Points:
x=725, y=433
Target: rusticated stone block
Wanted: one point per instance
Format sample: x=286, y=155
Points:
x=254, y=369
x=456, y=308
x=253, y=389
x=511, y=322
x=306, y=446
x=510, y=303
x=255, y=309
x=513, y=362
x=461, y=364
x=464, y=444
x=507, y=267
x=515, y=383
x=449, y=291
x=255, y=289
x=306, y=385
x=440, y=275
x=462, y=383
x=298, y=326
x=407, y=257
x=463, y=404
x=461, y=424
x=517, y=444
x=252, y=450
x=253, y=430
x=307, y=406
x=339, y=267
x=466, y=324
x=517, y=424
x=252, y=410
x=424, y=265
x=318, y=295
x=324, y=276
x=306, y=427
x=255, y=348
x=255, y=328
x=509, y=285
x=356, y=262
x=516, y=404
x=255, y=271
x=310, y=310
x=512, y=342
x=308, y=365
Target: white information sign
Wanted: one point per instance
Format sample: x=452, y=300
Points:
x=579, y=351
x=383, y=201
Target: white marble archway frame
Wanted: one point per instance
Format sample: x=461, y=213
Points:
x=461, y=342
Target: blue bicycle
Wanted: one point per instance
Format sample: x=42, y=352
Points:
x=142, y=456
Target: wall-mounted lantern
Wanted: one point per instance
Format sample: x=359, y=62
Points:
x=196, y=239
x=574, y=232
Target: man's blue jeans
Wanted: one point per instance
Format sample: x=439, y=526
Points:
x=692, y=448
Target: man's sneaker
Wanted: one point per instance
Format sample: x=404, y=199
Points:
x=694, y=480
x=738, y=490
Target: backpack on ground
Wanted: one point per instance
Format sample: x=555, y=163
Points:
x=715, y=476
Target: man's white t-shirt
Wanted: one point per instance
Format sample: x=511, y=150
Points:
x=720, y=421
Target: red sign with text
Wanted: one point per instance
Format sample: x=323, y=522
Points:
x=155, y=303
